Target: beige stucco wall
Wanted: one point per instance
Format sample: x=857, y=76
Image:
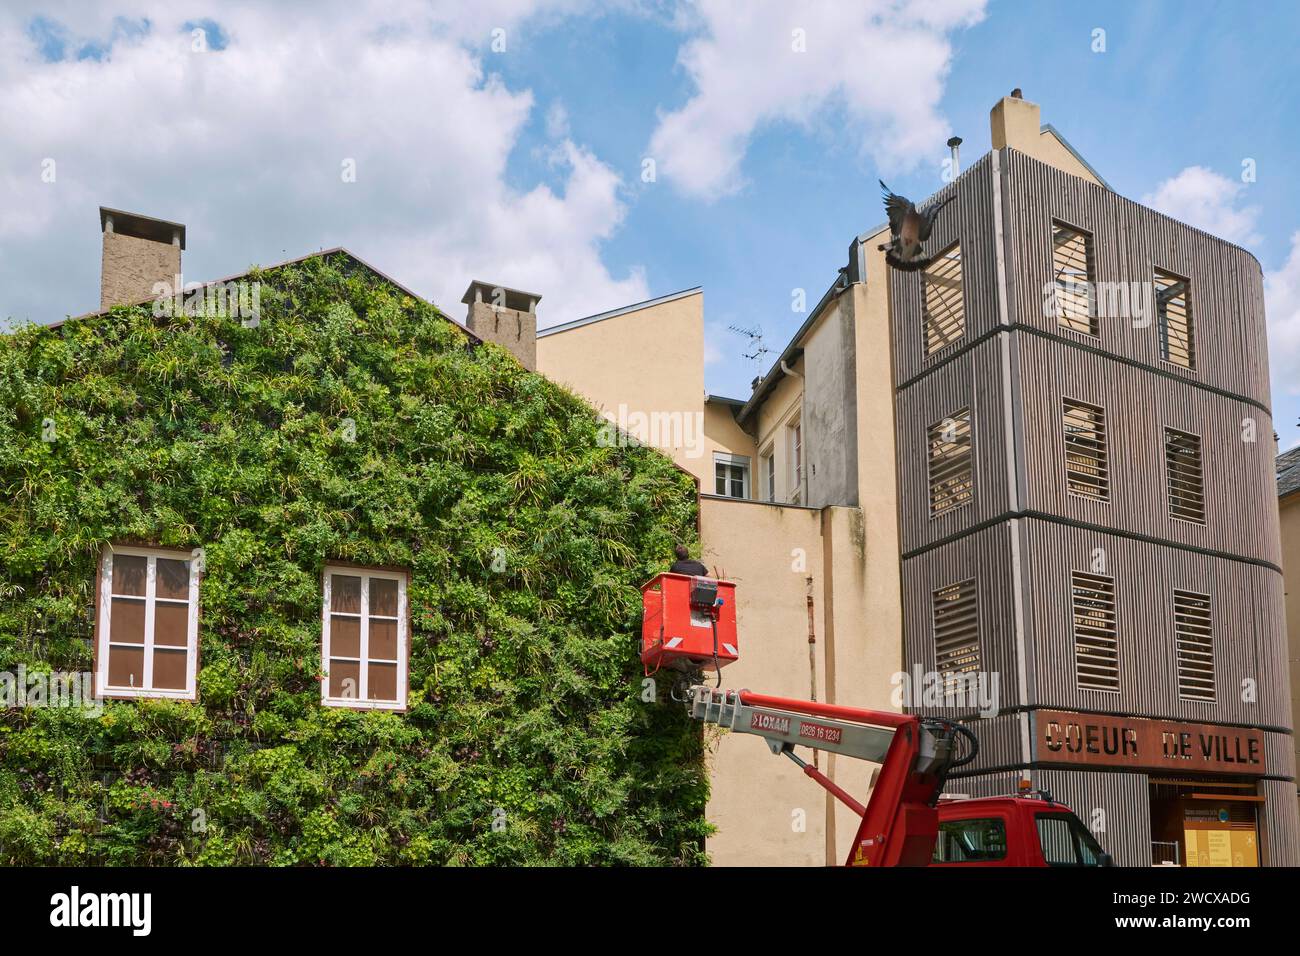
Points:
x=1290, y=520
x=771, y=551
x=757, y=797
x=647, y=363
x=1052, y=151
x=1018, y=123
x=772, y=422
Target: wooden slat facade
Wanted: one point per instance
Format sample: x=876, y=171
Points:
x=1023, y=532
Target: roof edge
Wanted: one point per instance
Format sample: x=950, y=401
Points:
x=1060, y=137
x=335, y=250
x=614, y=313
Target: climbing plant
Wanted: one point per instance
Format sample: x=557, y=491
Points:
x=351, y=422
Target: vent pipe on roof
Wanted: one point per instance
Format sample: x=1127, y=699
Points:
x=954, y=144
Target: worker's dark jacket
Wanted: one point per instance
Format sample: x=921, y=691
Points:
x=690, y=566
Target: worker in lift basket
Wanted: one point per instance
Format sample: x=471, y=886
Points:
x=685, y=564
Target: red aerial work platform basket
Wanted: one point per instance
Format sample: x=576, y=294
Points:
x=688, y=623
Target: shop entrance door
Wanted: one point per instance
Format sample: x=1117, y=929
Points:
x=1204, y=824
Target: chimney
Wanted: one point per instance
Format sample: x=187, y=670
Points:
x=1015, y=122
x=139, y=251
x=507, y=317
x=954, y=144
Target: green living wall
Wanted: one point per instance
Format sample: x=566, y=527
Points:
x=354, y=423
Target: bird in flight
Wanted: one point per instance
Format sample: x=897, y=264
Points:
x=909, y=227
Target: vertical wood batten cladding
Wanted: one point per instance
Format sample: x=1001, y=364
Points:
x=1278, y=822
x=973, y=380
x=984, y=557
x=1239, y=501
x=1145, y=576
x=967, y=220
x=1123, y=826
x=1130, y=241
x=1015, y=381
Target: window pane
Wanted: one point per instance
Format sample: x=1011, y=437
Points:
x=383, y=597
x=720, y=479
x=346, y=594
x=383, y=681
x=129, y=572
x=169, y=669
x=1057, y=841
x=962, y=841
x=171, y=624
x=126, y=666
x=345, y=679
x=173, y=580
x=127, y=623
x=383, y=640
x=345, y=636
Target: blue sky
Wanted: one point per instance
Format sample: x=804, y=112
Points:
x=524, y=165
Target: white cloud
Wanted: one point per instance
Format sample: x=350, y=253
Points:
x=245, y=145
x=1207, y=200
x=1282, y=304
x=882, y=61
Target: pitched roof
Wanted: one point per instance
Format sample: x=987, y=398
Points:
x=1288, y=472
x=337, y=250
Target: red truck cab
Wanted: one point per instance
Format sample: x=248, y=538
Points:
x=1013, y=831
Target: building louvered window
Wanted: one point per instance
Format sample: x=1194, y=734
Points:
x=1174, y=313
x=1073, y=275
x=1096, y=643
x=1185, y=476
x=956, y=629
x=943, y=310
x=1087, y=466
x=1194, y=638
x=951, y=482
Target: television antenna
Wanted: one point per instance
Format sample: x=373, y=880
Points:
x=756, y=349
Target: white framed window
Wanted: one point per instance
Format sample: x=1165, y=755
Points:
x=147, y=617
x=768, y=458
x=364, y=638
x=795, y=430
x=731, y=475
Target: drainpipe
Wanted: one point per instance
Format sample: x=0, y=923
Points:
x=812, y=652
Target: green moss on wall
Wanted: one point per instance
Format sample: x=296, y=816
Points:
x=525, y=688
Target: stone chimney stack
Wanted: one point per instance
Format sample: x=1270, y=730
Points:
x=1015, y=122
x=138, y=252
x=507, y=317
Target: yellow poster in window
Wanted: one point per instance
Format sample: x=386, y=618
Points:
x=1210, y=847
x=1245, y=848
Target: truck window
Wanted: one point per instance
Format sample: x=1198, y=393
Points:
x=969, y=841
x=1066, y=841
